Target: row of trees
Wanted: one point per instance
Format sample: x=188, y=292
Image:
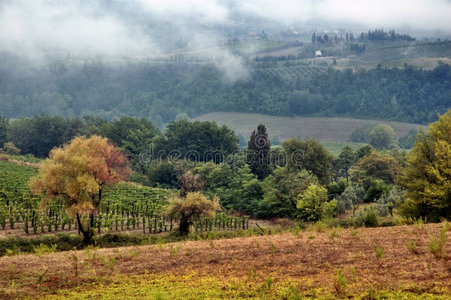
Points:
x=137, y=137
x=372, y=35
x=160, y=92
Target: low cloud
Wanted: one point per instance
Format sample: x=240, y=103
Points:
x=155, y=27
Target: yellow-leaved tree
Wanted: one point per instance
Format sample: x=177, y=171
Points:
x=77, y=174
x=192, y=207
x=427, y=176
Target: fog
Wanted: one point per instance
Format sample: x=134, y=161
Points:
x=146, y=28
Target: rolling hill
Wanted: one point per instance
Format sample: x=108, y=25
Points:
x=331, y=129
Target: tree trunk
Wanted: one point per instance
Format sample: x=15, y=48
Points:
x=184, y=225
x=91, y=223
x=87, y=234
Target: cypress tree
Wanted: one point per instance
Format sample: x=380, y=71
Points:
x=258, y=153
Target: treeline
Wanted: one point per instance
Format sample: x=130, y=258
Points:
x=300, y=179
x=160, y=92
x=371, y=35
x=137, y=137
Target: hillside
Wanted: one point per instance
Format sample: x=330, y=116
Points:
x=364, y=85
x=321, y=128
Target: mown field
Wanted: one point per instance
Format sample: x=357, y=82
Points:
x=331, y=129
x=371, y=263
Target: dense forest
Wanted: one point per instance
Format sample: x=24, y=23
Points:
x=160, y=91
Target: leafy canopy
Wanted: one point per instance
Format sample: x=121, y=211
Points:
x=77, y=173
x=427, y=176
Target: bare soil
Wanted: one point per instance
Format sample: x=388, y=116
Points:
x=310, y=258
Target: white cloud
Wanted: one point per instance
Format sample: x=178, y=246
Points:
x=36, y=27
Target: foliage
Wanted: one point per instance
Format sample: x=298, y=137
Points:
x=163, y=173
x=363, y=151
x=37, y=135
x=376, y=166
x=344, y=162
x=134, y=135
x=9, y=148
x=382, y=137
x=4, y=124
x=335, y=188
x=77, y=174
x=351, y=198
x=368, y=217
x=281, y=191
x=258, y=153
x=194, y=206
x=309, y=155
x=199, y=141
x=361, y=134
x=388, y=201
x=427, y=176
x=237, y=188
x=161, y=91
x=408, y=141
x=437, y=243
x=312, y=204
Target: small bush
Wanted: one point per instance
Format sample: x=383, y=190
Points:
x=379, y=251
x=412, y=246
x=369, y=217
x=437, y=243
x=340, y=282
x=44, y=249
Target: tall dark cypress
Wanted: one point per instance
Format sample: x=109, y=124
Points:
x=258, y=153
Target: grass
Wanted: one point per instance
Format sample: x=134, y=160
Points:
x=325, y=129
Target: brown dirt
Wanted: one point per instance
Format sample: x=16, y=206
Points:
x=312, y=262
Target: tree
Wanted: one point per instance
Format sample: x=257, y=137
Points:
x=4, y=124
x=37, y=135
x=382, y=137
x=309, y=155
x=281, y=190
x=427, y=176
x=190, y=183
x=199, y=141
x=377, y=166
x=134, y=135
x=9, y=148
x=77, y=174
x=363, y=151
x=345, y=159
x=408, y=141
x=361, y=134
x=351, y=198
x=312, y=205
x=375, y=173
x=258, y=153
x=194, y=206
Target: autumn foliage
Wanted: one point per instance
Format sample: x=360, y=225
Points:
x=77, y=173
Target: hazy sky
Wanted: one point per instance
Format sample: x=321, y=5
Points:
x=117, y=27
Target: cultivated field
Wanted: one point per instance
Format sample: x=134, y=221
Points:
x=322, y=128
x=372, y=263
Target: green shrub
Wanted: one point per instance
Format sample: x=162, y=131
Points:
x=437, y=243
x=369, y=217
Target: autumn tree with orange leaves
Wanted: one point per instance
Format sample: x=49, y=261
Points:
x=77, y=174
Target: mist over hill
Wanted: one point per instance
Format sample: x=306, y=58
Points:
x=156, y=59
